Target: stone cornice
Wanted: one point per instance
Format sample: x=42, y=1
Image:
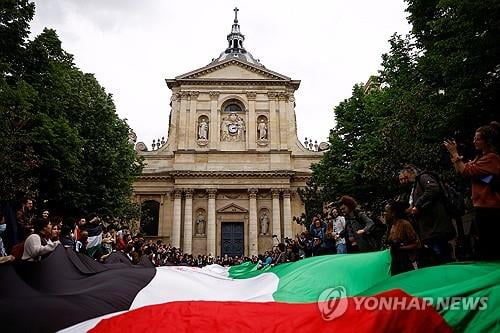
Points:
x=232, y=174
x=225, y=174
x=233, y=82
x=214, y=67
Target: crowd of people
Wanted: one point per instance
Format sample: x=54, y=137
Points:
x=418, y=227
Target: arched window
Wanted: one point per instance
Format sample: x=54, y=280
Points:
x=233, y=107
x=150, y=214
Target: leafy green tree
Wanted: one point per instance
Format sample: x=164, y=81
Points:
x=73, y=152
x=16, y=100
x=441, y=81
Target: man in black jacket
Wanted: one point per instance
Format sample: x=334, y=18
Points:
x=433, y=222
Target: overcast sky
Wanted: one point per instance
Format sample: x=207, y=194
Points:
x=132, y=46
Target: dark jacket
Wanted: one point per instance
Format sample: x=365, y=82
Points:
x=358, y=220
x=433, y=221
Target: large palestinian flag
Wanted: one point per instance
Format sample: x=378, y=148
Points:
x=354, y=292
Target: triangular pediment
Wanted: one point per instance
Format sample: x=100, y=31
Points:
x=233, y=69
x=232, y=208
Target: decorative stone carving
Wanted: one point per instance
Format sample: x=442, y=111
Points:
x=141, y=146
x=203, y=129
x=272, y=95
x=264, y=223
x=291, y=97
x=188, y=193
x=275, y=192
x=132, y=137
x=177, y=194
x=175, y=96
x=194, y=94
x=323, y=146
x=214, y=95
x=252, y=193
x=282, y=96
x=184, y=94
x=262, y=129
x=200, y=223
x=286, y=193
x=211, y=193
x=251, y=95
x=232, y=128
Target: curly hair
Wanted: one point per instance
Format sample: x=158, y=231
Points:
x=349, y=201
x=491, y=134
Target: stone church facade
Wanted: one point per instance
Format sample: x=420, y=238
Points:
x=226, y=178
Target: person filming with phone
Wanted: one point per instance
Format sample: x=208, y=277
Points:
x=484, y=173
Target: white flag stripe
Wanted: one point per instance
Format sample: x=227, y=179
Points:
x=87, y=325
x=210, y=283
x=187, y=284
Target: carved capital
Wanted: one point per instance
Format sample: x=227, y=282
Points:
x=184, y=94
x=291, y=97
x=188, y=193
x=272, y=95
x=175, y=97
x=286, y=193
x=211, y=193
x=275, y=192
x=177, y=194
x=251, y=95
x=282, y=96
x=252, y=193
x=194, y=94
x=214, y=95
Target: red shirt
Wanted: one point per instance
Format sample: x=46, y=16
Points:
x=481, y=167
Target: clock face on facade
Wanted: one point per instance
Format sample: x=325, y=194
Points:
x=232, y=128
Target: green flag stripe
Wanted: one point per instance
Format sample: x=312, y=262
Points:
x=304, y=280
x=473, y=280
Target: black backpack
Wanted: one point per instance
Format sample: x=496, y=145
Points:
x=454, y=201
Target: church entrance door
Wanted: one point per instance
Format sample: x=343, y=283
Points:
x=232, y=238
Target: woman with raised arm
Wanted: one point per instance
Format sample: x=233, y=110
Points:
x=484, y=173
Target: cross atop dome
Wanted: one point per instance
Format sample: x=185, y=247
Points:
x=236, y=10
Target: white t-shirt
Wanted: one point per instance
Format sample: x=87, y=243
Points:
x=33, y=248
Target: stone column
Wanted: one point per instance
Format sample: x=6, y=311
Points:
x=253, y=241
x=292, y=121
x=188, y=222
x=287, y=214
x=283, y=121
x=251, y=128
x=182, y=120
x=211, y=226
x=174, y=117
x=192, y=128
x=176, y=225
x=276, y=213
x=214, y=123
x=274, y=135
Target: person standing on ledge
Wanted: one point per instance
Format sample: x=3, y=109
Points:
x=484, y=174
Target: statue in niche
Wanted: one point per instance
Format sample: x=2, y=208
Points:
x=233, y=128
x=200, y=224
x=241, y=128
x=262, y=129
x=203, y=130
x=264, y=224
